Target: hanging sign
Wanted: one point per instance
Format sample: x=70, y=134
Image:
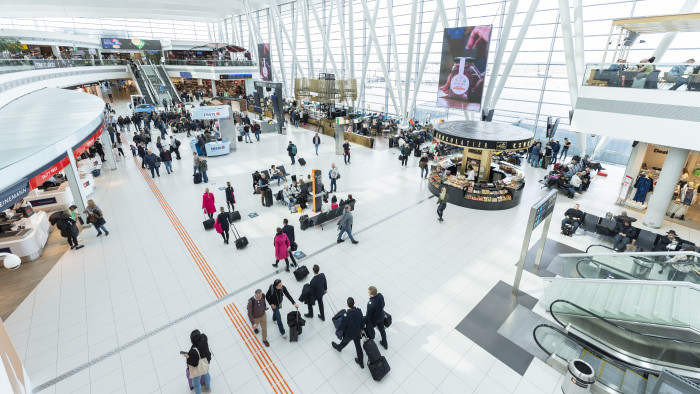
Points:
x=48, y=171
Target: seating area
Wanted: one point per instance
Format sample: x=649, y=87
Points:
x=318, y=220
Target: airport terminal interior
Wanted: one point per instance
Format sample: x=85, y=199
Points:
x=180, y=184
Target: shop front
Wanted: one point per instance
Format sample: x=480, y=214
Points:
x=496, y=184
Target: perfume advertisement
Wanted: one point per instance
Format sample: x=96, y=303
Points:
x=465, y=52
x=264, y=62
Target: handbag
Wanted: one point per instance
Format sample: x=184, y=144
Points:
x=400, y=157
x=201, y=369
x=337, y=176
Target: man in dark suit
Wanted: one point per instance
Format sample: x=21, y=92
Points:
x=669, y=242
x=289, y=230
x=353, y=328
x=318, y=287
x=375, y=315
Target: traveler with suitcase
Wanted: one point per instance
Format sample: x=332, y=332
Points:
x=263, y=187
x=274, y=296
x=198, y=359
x=352, y=327
x=375, y=315
x=292, y=150
x=208, y=205
x=257, y=316
x=282, y=246
x=318, y=288
x=289, y=230
x=345, y=226
x=574, y=218
x=222, y=224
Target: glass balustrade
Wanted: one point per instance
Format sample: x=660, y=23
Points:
x=210, y=63
x=14, y=65
x=685, y=76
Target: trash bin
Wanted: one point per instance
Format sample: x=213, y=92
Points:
x=579, y=378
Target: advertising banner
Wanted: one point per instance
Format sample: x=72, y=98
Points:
x=264, y=62
x=465, y=53
x=48, y=171
x=213, y=112
x=133, y=44
x=13, y=194
x=88, y=142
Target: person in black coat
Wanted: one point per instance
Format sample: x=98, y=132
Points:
x=141, y=148
x=274, y=296
x=574, y=217
x=223, y=219
x=375, y=315
x=318, y=287
x=669, y=242
x=624, y=232
x=352, y=326
x=199, y=350
x=289, y=230
x=230, y=198
x=69, y=230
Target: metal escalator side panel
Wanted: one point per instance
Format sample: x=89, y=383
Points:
x=611, y=375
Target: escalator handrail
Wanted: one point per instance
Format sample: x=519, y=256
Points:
x=661, y=263
x=551, y=311
x=691, y=285
x=602, y=246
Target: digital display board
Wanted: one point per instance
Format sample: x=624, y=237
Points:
x=134, y=44
x=235, y=76
x=544, y=208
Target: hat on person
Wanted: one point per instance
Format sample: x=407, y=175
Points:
x=671, y=232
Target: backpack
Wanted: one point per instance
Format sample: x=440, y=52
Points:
x=203, y=166
x=294, y=149
x=177, y=143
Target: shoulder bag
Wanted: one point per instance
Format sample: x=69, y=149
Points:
x=201, y=369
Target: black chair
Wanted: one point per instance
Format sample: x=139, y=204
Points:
x=319, y=219
x=606, y=227
x=352, y=205
x=333, y=213
x=281, y=168
x=304, y=189
x=267, y=174
x=646, y=240
x=590, y=222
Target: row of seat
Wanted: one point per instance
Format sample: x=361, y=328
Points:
x=323, y=217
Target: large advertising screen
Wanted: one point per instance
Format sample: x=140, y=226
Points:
x=264, y=62
x=132, y=44
x=465, y=52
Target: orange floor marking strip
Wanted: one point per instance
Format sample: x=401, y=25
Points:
x=268, y=368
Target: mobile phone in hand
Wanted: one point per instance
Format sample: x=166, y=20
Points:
x=181, y=352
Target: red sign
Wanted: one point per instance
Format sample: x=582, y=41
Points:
x=82, y=148
x=49, y=172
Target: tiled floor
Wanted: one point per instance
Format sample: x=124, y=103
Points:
x=142, y=277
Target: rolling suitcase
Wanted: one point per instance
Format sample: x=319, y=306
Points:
x=240, y=138
x=241, y=242
x=233, y=216
x=197, y=178
x=268, y=197
x=208, y=224
x=337, y=320
x=379, y=368
x=302, y=161
x=301, y=273
x=372, y=351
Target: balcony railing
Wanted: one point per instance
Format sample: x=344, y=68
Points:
x=14, y=65
x=684, y=76
x=211, y=63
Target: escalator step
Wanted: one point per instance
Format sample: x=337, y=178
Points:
x=647, y=302
x=633, y=383
x=611, y=376
x=663, y=308
x=615, y=300
x=631, y=302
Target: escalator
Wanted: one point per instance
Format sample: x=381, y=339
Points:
x=158, y=87
x=167, y=82
x=144, y=90
x=628, y=330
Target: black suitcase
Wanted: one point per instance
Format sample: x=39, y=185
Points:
x=304, y=224
x=197, y=178
x=208, y=224
x=240, y=138
x=568, y=230
x=387, y=320
x=302, y=162
x=379, y=368
x=301, y=272
x=416, y=152
x=294, y=334
x=233, y=216
x=241, y=242
x=294, y=319
x=372, y=351
x=279, y=196
x=268, y=197
x=294, y=178
x=391, y=142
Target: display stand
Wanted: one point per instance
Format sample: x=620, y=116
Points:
x=540, y=212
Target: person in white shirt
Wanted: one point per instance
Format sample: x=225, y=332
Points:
x=326, y=206
x=470, y=173
x=288, y=197
x=576, y=182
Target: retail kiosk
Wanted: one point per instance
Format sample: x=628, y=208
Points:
x=497, y=185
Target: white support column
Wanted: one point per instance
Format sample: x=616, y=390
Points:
x=607, y=47
x=344, y=43
x=76, y=187
x=307, y=34
x=292, y=46
x=227, y=38
x=280, y=53
x=462, y=12
x=109, y=152
x=513, y=53
x=409, y=60
x=213, y=88
x=565, y=15
x=578, y=37
x=663, y=191
x=368, y=45
x=352, y=39
x=324, y=37
x=382, y=63
x=259, y=39
x=395, y=54
x=426, y=53
x=500, y=51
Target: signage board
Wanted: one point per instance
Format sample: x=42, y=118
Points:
x=235, y=76
x=50, y=170
x=211, y=112
x=184, y=74
x=544, y=208
x=13, y=193
x=134, y=44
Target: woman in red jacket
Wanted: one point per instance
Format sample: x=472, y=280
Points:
x=208, y=205
x=281, y=248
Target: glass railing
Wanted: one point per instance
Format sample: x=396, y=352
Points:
x=210, y=63
x=662, y=304
x=13, y=65
x=684, y=76
x=663, y=266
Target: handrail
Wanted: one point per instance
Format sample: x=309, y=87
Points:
x=693, y=286
x=661, y=253
x=602, y=246
x=614, y=324
x=661, y=263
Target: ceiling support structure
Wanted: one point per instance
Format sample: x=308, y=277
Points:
x=307, y=35
x=426, y=54
x=409, y=60
x=565, y=15
x=395, y=54
x=489, y=103
x=578, y=39
x=324, y=37
x=292, y=47
x=668, y=38
x=365, y=62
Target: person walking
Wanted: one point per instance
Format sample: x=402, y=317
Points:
x=208, y=203
x=274, y=296
x=292, y=150
x=565, y=149
x=141, y=149
x=333, y=175
x=175, y=147
x=69, y=230
x=346, y=152
x=96, y=218
x=230, y=197
x=405, y=151
x=256, y=131
x=167, y=159
x=318, y=287
x=199, y=353
x=345, y=226
x=316, y=141
x=375, y=315
x=423, y=164
x=153, y=163
x=257, y=315
x=246, y=134
x=352, y=328
x=282, y=245
x=289, y=230
x=222, y=224
x=442, y=202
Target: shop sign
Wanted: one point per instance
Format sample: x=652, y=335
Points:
x=662, y=152
x=80, y=148
x=48, y=172
x=475, y=151
x=43, y=201
x=214, y=112
x=14, y=193
x=482, y=144
x=184, y=74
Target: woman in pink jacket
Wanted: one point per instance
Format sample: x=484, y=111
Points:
x=208, y=205
x=281, y=248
